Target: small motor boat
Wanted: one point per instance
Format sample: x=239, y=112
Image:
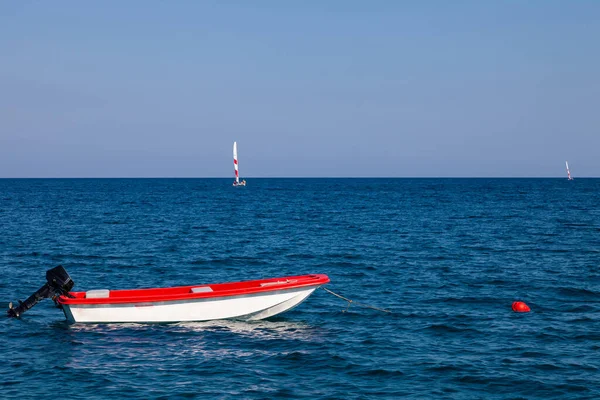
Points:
x=248, y=300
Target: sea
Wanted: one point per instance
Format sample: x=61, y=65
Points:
x=446, y=258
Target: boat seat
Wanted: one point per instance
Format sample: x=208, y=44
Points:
x=97, y=294
x=201, y=289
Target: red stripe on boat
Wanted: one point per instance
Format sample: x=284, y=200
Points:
x=185, y=292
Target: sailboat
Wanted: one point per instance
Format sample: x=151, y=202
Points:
x=237, y=181
x=568, y=172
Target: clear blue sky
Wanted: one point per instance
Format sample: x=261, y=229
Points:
x=307, y=88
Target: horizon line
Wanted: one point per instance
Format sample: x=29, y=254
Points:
x=301, y=177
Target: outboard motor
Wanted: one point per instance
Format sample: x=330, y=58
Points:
x=58, y=283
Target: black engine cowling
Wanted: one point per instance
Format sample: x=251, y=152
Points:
x=58, y=282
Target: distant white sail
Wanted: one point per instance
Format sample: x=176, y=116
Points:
x=568, y=171
x=235, y=163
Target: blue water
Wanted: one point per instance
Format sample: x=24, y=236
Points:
x=446, y=256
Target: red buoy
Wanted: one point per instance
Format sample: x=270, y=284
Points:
x=519, y=306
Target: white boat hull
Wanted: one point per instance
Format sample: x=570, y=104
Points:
x=246, y=307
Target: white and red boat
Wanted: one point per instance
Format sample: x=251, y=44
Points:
x=236, y=171
x=569, y=177
x=249, y=300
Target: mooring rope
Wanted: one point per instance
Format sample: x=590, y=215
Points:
x=354, y=302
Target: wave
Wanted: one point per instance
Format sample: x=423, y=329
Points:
x=569, y=291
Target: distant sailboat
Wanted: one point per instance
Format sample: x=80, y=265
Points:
x=568, y=172
x=237, y=181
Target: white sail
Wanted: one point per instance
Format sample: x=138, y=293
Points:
x=235, y=163
x=568, y=171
